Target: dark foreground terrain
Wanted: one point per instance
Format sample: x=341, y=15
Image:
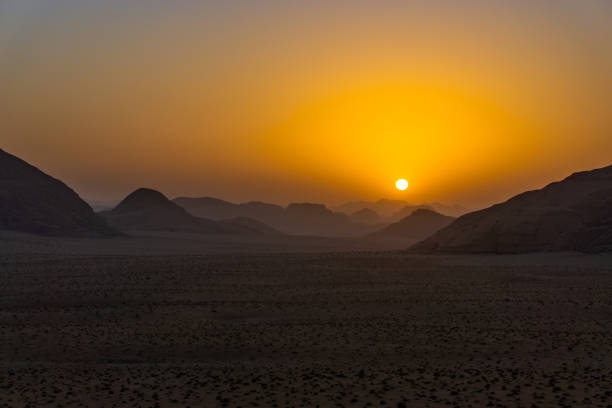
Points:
x=337, y=329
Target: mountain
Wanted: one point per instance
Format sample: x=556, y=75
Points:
x=418, y=225
x=366, y=216
x=312, y=210
x=32, y=201
x=246, y=224
x=150, y=210
x=217, y=209
x=453, y=210
x=317, y=219
x=297, y=218
x=384, y=207
x=147, y=209
x=407, y=211
x=573, y=214
x=99, y=206
x=394, y=210
x=210, y=207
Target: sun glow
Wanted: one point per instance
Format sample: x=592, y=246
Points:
x=359, y=138
x=338, y=100
x=401, y=184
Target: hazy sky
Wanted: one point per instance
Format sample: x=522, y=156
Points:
x=471, y=101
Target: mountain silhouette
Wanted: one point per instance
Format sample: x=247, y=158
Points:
x=394, y=210
x=385, y=208
x=317, y=219
x=418, y=225
x=246, y=225
x=366, y=216
x=297, y=218
x=32, y=201
x=145, y=199
x=408, y=210
x=308, y=210
x=150, y=210
x=454, y=210
x=216, y=209
x=573, y=214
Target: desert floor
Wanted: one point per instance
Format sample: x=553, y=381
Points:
x=330, y=329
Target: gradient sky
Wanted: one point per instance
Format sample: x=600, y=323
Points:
x=471, y=101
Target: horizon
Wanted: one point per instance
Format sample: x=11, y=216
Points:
x=325, y=102
x=330, y=205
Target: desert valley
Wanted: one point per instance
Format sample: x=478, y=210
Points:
x=148, y=304
x=323, y=203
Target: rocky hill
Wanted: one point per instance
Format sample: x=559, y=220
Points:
x=418, y=225
x=573, y=214
x=150, y=210
x=32, y=201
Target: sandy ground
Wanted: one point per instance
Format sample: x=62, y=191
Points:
x=331, y=329
x=160, y=243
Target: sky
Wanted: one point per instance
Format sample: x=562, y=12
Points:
x=323, y=101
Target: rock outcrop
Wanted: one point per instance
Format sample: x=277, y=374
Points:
x=571, y=215
x=34, y=202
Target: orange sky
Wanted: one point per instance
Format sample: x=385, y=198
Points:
x=326, y=101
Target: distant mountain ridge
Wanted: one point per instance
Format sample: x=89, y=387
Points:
x=296, y=218
x=572, y=214
x=306, y=218
x=32, y=201
x=217, y=209
x=418, y=225
x=394, y=210
x=317, y=219
x=409, y=210
x=366, y=215
x=145, y=199
x=149, y=210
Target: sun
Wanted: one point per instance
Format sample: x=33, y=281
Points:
x=401, y=184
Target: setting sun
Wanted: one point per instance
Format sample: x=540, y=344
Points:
x=401, y=184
